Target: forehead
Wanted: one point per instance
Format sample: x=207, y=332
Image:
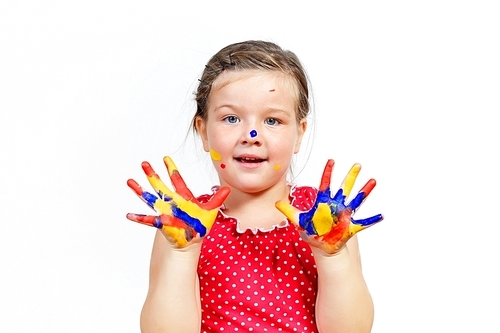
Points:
x=277, y=78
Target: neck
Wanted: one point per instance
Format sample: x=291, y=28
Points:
x=257, y=210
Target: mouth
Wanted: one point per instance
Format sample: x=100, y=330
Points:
x=250, y=160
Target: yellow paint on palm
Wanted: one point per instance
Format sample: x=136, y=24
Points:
x=206, y=217
x=177, y=234
x=322, y=219
x=163, y=207
x=189, y=207
x=350, y=179
x=215, y=155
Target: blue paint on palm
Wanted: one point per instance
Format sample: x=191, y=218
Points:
x=191, y=221
x=306, y=218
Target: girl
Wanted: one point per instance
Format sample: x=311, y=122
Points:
x=231, y=261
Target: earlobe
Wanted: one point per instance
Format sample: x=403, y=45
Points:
x=201, y=128
x=301, y=130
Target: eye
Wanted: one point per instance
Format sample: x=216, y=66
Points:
x=272, y=121
x=231, y=119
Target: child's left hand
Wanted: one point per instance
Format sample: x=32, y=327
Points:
x=329, y=223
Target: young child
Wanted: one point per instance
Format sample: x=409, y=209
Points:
x=258, y=254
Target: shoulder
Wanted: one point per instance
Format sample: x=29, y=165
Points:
x=303, y=197
x=206, y=197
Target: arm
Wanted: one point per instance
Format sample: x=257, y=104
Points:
x=173, y=289
x=343, y=302
x=182, y=222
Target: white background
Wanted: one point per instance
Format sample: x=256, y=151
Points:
x=90, y=89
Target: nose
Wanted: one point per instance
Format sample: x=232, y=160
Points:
x=251, y=136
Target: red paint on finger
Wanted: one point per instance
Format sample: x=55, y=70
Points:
x=134, y=186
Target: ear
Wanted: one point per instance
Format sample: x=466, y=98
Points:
x=301, y=129
x=201, y=128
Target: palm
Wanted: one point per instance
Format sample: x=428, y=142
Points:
x=181, y=217
x=329, y=224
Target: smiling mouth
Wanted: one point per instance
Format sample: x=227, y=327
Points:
x=249, y=160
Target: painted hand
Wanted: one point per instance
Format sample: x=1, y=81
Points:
x=329, y=223
x=181, y=217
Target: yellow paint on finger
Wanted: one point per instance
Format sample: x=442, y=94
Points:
x=215, y=155
x=171, y=167
x=350, y=179
x=355, y=228
x=288, y=210
x=160, y=186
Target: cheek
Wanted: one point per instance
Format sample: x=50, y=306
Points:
x=217, y=158
x=214, y=154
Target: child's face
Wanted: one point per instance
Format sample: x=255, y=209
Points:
x=251, y=130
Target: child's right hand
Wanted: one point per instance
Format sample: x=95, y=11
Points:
x=182, y=218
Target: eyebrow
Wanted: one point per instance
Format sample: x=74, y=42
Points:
x=268, y=110
x=281, y=111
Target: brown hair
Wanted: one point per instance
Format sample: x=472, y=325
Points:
x=253, y=55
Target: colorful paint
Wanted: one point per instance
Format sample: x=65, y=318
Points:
x=329, y=223
x=253, y=133
x=215, y=155
x=181, y=216
x=277, y=167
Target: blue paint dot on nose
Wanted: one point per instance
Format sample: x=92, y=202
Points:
x=253, y=133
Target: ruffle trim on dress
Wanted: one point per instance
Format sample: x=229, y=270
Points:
x=283, y=224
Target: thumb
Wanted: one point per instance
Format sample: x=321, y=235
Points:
x=289, y=211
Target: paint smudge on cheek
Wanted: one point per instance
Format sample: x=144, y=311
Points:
x=215, y=155
x=253, y=133
x=277, y=167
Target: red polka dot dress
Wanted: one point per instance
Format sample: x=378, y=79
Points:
x=258, y=280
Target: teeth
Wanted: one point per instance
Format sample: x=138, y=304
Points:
x=250, y=159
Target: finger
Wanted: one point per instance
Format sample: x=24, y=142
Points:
x=152, y=221
x=218, y=199
x=148, y=198
x=350, y=179
x=362, y=195
x=155, y=181
x=358, y=225
x=289, y=211
x=327, y=176
x=298, y=218
x=176, y=179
